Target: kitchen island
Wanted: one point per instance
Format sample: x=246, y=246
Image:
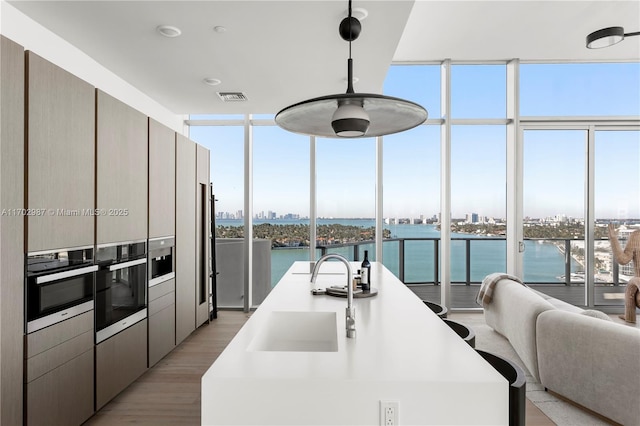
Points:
x=292, y=364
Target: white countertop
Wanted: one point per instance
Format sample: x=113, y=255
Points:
x=402, y=352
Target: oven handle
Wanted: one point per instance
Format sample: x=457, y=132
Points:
x=66, y=274
x=127, y=264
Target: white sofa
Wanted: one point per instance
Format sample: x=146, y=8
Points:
x=591, y=361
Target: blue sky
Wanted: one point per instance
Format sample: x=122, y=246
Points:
x=554, y=160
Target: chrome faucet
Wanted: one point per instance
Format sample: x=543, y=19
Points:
x=351, y=311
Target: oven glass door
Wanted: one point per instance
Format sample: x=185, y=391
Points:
x=120, y=292
x=59, y=285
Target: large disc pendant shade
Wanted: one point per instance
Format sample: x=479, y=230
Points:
x=350, y=114
x=387, y=115
x=607, y=37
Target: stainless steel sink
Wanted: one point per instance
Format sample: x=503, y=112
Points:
x=297, y=332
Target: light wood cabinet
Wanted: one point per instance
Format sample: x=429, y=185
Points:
x=11, y=230
x=162, y=320
x=185, y=237
x=120, y=360
x=60, y=151
x=59, y=372
x=122, y=171
x=162, y=180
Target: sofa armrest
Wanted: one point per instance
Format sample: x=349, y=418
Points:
x=593, y=362
x=513, y=313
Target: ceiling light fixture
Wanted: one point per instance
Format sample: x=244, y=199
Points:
x=211, y=81
x=607, y=37
x=350, y=114
x=168, y=31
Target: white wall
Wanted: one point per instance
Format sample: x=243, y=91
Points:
x=33, y=36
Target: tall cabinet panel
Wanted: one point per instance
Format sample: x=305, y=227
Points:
x=162, y=223
x=60, y=160
x=185, y=237
x=11, y=230
x=122, y=172
x=162, y=180
x=203, y=243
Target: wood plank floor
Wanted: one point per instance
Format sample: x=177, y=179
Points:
x=169, y=393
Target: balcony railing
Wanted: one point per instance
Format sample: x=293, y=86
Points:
x=569, y=288
x=564, y=245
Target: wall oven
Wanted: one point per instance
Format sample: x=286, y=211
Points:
x=121, y=287
x=59, y=285
x=162, y=261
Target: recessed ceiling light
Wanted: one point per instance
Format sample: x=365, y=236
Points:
x=168, y=31
x=219, y=29
x=211, y=81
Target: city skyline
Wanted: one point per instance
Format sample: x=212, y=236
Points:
x=470, y=217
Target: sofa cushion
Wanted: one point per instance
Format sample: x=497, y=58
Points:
x=592, y=362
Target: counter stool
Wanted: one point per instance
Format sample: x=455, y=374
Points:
x=517, y=385
x=464, y=331
x=439, y=310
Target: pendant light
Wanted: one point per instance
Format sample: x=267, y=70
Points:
x=607, y=37
x=350, y=114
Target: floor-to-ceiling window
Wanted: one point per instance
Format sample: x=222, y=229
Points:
x=617, y=201
x=345, y=185
x=478, y=177
x=281, y=196
x=411, y=182
x=581, y=124
x=563, y=108
x=553, y=193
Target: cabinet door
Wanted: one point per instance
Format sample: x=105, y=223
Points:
x=162, y=320
x=122, y=171
x=59, y=372
x=162, y=180
x=11, y=229
x=185, y=237
x=61, y=148
x=63, y=396
x=162, y=330
x=120, y=360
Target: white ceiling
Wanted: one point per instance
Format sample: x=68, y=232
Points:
x=281, y=52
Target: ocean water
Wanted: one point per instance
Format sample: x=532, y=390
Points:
x=542, y=261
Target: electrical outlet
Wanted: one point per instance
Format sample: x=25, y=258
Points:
x=388, y=413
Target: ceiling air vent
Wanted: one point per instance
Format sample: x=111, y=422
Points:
x=232, y=96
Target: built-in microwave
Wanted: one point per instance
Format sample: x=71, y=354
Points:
x=161, y=260
x=59, y=285
x=121, y=287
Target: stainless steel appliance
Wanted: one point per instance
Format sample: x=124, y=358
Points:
x=121, y=287
x=59, y=285
x=162, y=262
